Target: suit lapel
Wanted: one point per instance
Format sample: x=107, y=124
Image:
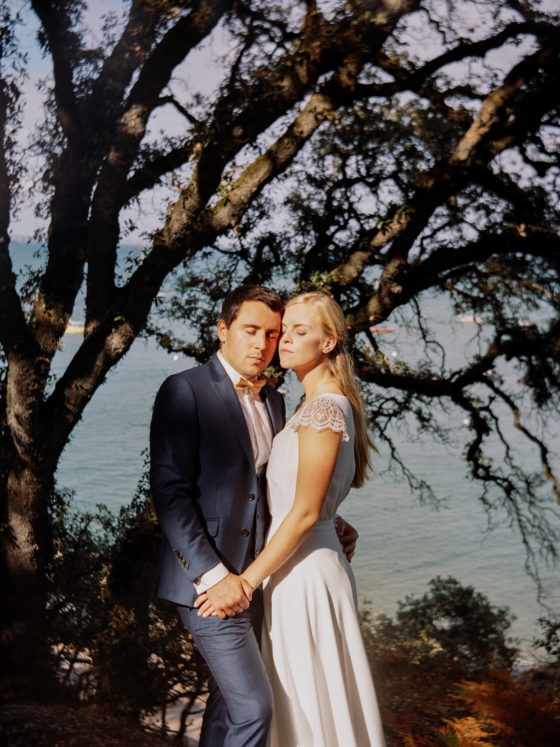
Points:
x=274, y=412
x=232, y=409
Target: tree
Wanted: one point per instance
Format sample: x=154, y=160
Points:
x=422, y=657
x=380, y=149
x=449, y=623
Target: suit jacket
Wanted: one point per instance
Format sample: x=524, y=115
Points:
x=202, y=474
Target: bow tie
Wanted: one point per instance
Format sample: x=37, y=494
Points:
x=253, y=386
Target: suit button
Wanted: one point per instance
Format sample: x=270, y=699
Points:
x=185, y=566
x=244, y=532
x=196, y=581
x=251, y=496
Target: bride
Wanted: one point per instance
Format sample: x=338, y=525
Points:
x=311, y=644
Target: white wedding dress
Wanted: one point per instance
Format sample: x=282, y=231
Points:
x=312, y=645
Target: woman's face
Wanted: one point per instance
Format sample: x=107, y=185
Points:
x=302, y=343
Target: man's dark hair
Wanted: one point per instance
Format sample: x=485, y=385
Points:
x=233, y=301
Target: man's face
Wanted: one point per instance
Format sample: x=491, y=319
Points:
x=249, y=343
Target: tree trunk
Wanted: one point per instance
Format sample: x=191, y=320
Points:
x=26, y=482
x=33, y=433
x=25, y=542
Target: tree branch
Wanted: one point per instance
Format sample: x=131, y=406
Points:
x=111, y=185
x=446, y=264
x=13, y=329
x=184, y=233
x=539, y=443
x=181, y=109
x=64, y=46
x=490, y=133
x=407, y=80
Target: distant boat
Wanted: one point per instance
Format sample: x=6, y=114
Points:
x=469, y=319
x=74, y=328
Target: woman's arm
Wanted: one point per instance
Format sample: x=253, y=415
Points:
x=316, y=462
x=317, y=454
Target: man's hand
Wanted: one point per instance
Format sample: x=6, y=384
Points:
x=348, y=537
x=227, y=598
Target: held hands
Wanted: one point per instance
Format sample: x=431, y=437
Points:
x=227, y=598
x=348, y=537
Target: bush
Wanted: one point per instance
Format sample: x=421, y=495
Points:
x=503, y=712
x=420, y=658
x=449, y=625
x=114, y=645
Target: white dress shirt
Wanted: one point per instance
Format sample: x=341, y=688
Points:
x=260, y=431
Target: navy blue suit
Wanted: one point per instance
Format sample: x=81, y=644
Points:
x=212, y=508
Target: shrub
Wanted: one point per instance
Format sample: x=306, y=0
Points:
x=114, y=644
x=449, y=623
x=503, y=712
x=420, y=657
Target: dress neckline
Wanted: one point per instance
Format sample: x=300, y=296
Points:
x=323, y=394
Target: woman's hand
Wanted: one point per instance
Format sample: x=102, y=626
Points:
x=207, y=609
x=247, y=588
x=227, y=598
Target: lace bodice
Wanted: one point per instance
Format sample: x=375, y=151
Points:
x=326, y=411
x=321, y=413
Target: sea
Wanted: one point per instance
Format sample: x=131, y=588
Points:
x=404, y=542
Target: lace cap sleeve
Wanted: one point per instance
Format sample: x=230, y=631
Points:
x=321, y=414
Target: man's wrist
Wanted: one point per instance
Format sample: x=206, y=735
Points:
x=210, y=578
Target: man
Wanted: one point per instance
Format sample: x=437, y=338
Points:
x=211, y=434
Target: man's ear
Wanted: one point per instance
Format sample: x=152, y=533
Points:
x=222, y=329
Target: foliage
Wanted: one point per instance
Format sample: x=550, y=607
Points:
x=443, y=668
x=550, y=640
x=503, y=713
x=114, y=646
x=116, y=649
x=548, y=679
x=450, y=622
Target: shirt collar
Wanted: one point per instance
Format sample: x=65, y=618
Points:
x=229, y=369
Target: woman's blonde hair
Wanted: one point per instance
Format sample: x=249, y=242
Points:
x=342, y=369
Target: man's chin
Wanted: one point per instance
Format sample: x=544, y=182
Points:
x=254, y=373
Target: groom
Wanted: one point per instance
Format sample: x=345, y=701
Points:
x=211, y=434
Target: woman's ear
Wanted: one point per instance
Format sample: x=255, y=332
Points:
x=329, y=345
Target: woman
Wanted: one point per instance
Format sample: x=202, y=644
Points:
x=312, y=646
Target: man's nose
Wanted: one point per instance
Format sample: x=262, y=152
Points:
x=260, y=340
